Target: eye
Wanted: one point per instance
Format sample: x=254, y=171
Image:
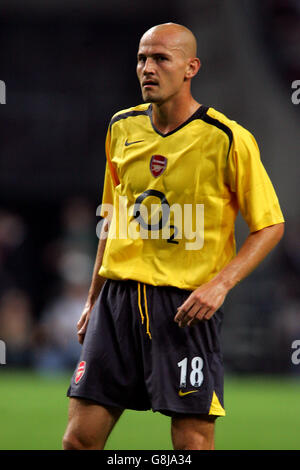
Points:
x=141, y=58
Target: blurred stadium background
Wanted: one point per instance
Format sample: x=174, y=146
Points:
x=68, y=66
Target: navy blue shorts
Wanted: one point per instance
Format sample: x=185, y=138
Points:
x=134, y=356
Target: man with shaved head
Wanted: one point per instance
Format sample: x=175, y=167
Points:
x=177, y=173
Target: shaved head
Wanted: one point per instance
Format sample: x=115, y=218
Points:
x=166, y=63
x=179, y=37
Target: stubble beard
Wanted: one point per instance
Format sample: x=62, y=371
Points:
x=150, y=99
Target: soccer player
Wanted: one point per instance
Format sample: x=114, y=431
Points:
x=177, y=173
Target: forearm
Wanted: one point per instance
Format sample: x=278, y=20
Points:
x=255, y=248
x=97, y=280
x=209, y=297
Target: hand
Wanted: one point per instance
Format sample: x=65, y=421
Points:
x=83, y=322
x=201, y=304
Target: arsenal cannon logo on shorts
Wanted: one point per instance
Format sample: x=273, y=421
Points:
x=80, y=371
x=158, y=164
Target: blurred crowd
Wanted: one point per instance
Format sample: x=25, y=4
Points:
x=40, y=330
x=281, y=19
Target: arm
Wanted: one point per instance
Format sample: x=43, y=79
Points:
x=206, y=299
x=96, y=285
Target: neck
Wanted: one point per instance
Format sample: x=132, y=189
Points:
x=171, y=114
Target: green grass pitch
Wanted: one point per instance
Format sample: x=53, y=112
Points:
x=262, y=413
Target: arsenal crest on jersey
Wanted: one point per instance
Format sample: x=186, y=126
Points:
x=158, y=164
x=80, y=371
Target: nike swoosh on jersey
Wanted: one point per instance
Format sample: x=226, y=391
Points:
x=130, y=143
x=183, y=394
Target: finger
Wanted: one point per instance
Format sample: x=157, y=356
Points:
x=198, y=311
x=193, y=322
x=83, y=320
x=200, y=316
x=209, y=314
x=183, y=309
x=81, y=332
x=80, y=322
x=189, y=315
x=80, y=338
x=83, y=327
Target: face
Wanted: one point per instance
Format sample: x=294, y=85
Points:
x=161, y=68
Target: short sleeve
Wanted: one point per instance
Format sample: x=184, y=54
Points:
x=110, y=180
x=250, y=182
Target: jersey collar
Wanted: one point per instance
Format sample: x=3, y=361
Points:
x=198, y=114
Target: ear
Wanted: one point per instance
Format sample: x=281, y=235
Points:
x=192, y=68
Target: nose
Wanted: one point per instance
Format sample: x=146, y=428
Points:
x=148, y=66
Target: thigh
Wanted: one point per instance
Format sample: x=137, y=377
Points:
x=110, y=368
x=187, y=362
x=89, y=424
x=193, y=432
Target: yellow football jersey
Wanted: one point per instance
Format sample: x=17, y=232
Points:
x=175, y=197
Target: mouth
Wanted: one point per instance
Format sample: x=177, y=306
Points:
x=149, y=84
